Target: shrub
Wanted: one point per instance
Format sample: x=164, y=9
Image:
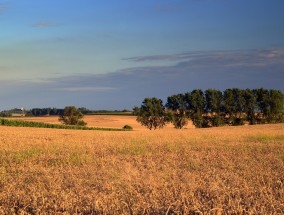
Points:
x=197, y=120
x=72, y=116
x=217, y=121
x=127, y=127
x=238, y=121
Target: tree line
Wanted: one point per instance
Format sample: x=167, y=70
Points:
x=213, y=108
x=52, y=111
x=33, y=112
x=59, y=111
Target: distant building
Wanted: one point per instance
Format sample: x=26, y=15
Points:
x=18, y=112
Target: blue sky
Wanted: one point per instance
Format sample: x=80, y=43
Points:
x=112, y=54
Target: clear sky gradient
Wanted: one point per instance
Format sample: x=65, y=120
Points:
x=112, y=54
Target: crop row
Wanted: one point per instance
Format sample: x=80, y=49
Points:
x=22, y=123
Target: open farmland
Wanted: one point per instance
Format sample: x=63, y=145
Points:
x=228, y=170
x=102, y=121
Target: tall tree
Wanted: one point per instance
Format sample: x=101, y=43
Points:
x=214, y=99
x=239, y=102
x=229, y=106
x=177, y=110
x=249, y=106
x=152, y=113
x=276, y=104
x=196, y=105
x=234, y=106
x=262, y=101
x=196, y=101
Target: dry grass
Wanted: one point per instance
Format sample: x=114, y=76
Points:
x=102, y=121
x=229, y=170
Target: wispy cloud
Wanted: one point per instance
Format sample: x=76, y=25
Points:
x=128, y=87
x=261, y=57
x=86, y=89
x=45, y=24
x=3, y=8
x=173, y=57
x=220, y=69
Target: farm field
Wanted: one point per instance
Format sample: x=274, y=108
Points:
x=227, y=170
x=103, y=121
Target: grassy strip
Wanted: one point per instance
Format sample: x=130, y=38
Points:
x=22, y=123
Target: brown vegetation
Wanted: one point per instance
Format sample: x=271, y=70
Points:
x=228, y=170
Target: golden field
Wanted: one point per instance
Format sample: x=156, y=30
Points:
x=103, y=121
x=227, y=170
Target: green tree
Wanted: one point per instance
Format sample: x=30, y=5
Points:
x=135, y=111
x=177, y=110
x=152, y=113
x=276, y=105
x=196, y=105
x=196, y=101
x=262, y=102
x=239, y=106
x=249, y=106
x=229, y=106
x=233, y=106
x=213, y=101
x=239, y=102
x=213, y=107
x=72, y=116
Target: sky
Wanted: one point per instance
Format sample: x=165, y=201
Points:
x=112, y=54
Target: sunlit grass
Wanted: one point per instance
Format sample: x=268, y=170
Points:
x=229, y=170
x=265, y=138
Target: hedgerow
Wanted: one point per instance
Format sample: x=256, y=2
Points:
x=22, y=123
